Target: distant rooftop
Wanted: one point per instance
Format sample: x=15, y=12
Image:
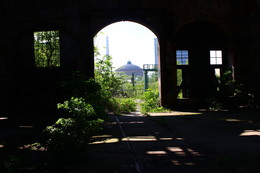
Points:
x=130, y=68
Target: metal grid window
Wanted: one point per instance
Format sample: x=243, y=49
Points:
x=182, y=57
x=215, y=57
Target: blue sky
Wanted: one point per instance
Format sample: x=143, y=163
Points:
x=127, y=41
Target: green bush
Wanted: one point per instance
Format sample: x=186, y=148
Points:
x=151, y=102
x=78, y=108
x=110, y=82
x=122, y=105
x=74, y=133
x=126, y=105
x=231, y=94
x=88, y=89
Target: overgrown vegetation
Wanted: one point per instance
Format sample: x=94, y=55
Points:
x=110, y=82
x=123, y=105
x=151, y=102
x=75, y=132
x=231, y=94
x=87, y=101
x=91, y=91
x=113, y=88
x=47, y=49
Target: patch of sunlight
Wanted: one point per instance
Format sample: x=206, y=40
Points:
x=193, y=152
x=190, y=164
x=165, y=139
x=250, y=133
x=3, y=118
x=138, y=122
x=180, y=139
x=177, y=163
x=140, y=138
x=175, y=114
x=157, y=152
x=108, y=141
x=177, y=150
x=102, y=136
x=26, y=127
x=233, y=120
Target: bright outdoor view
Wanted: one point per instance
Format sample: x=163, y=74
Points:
x=130, y=86
x=126, y=66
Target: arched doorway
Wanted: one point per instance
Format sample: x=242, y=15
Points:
x=128, y=41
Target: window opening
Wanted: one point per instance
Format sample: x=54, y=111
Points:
x=218, y=75
x=182, y=60
x=179, y=83
x=47, y=49
x=217, y=72
x=216, y=62
x=215, y=57
x=182, y=57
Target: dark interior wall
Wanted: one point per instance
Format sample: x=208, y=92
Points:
x=246, y=33
x=199, y=38
x=247, y=61
x=79, y=20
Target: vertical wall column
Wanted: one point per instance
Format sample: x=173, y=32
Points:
x=168, y=70
x=3, y=71
x=86, y=51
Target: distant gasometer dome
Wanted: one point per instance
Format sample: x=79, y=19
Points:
x=130, y=68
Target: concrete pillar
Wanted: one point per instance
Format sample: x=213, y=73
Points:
x=168, y=68
x=86, y=50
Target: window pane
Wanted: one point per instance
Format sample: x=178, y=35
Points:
x=215, y=57
x=219, y=60
x=212, y=61
x=182, y=57
x=47, y=49
x=219, y=54
x=185, y=53
x=178, y=53
x=185, y=61
x=212, y=53
x=179, y=77
x=217, y=72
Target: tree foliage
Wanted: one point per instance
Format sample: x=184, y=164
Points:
x=110, y=82
x=47, y=49
x=73, y=133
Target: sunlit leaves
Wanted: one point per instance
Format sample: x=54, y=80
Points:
x=47, y=49
x=110, y=82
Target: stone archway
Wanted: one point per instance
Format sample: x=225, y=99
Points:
x=134, y=43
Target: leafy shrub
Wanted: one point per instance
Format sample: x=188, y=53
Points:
x=78, y=108
x=88, y=89
x=127, y=105
x=124, y=105
x=111, y=83
x=151, y=102
x=74, y=133
x=231, y=94
x=215, y=104
x=244, y=97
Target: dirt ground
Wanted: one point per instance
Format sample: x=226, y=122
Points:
x=197, y=142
